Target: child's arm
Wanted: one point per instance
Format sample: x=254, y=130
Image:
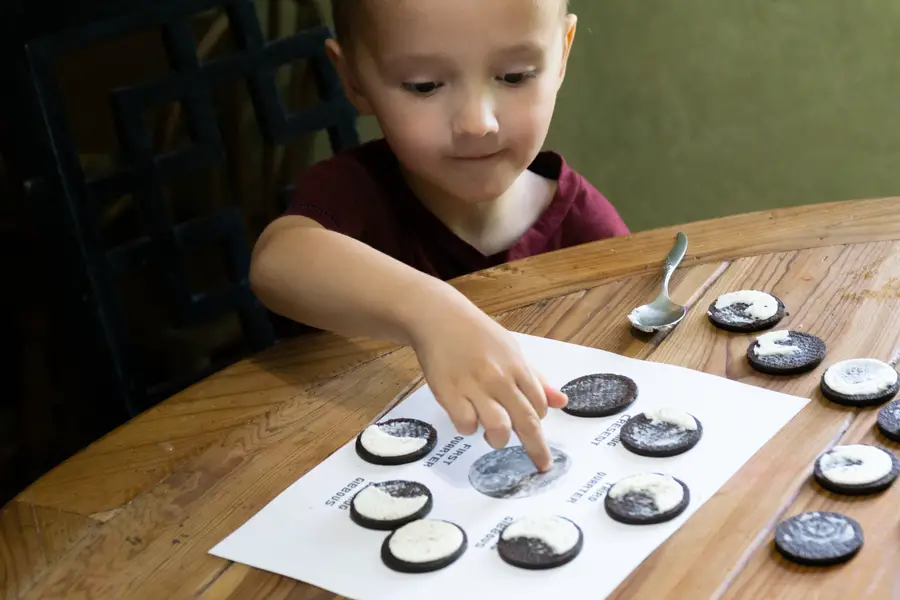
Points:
x=472, y=364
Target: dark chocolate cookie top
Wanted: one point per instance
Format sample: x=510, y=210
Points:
x=599, y=395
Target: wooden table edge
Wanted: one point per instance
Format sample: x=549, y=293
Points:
x=558, y=273
x=720, y=239
x=564, y=271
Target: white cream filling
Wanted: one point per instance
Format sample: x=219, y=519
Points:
x=559, y=534
x=767, y=344
x=375, y=503
x=860, y=376
x=874, y=464
x=425, y=540
x=381, y=443
x=665, y=491
x=761, y=305
x=673, y=416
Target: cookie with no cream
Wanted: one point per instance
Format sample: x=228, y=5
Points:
x=423, y=546
x=599, y=395
x=860, y=382
x=661, y=432
x=388, y=505
x=646, y=499
x=786, y=352
x=396, y=442
x=746, y=311
x=540, y=542
x=889, y=420
x=856, y=469
x=819, y=538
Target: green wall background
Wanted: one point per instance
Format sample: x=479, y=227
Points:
x=688, y=110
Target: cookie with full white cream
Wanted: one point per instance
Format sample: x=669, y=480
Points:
x=860, y=382
x=819, y=538
x=856, y=469
x=661, y=432
x=423, y=546
x=396, y=442
x=599, y=395
x=786, y=352
x=388, y=505
x=540, y=542
x=746, y=311
x=647, y=498
x=889, y=420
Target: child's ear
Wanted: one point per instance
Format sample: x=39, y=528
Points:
x=348, y=77
x=568, y=40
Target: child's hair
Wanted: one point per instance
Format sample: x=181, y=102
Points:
x=346, y=15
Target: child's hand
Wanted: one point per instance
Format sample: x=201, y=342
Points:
x=478, y=374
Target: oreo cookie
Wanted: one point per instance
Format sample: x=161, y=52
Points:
x=661, y=432
x=396, y=442
x=423, y=546
x=786, y=352
x=540, y=542
x=860, y=382
x=390, y=504
x=746, y=311
x=819, y=538
x=646, y=499
x=856, y=469
x=889, y=421
x=599, y=395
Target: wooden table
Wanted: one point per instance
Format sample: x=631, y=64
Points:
x=134, y=515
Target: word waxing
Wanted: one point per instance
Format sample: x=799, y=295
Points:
x=345, y=494
x=587, y=487
x=445, y=450
x=603, y=437
x=495, y=531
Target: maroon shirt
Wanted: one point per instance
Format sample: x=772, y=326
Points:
x=361, y=193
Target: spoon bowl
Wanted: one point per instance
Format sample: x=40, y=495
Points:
x=662, y=313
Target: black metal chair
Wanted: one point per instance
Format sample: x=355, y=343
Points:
x=61, y=187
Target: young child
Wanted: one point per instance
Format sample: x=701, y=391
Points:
x=464, y=92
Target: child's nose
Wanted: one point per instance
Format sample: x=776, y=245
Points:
x=476, y=117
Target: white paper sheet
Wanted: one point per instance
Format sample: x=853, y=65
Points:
x=306, y=532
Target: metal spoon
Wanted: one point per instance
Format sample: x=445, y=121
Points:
x=662, y=313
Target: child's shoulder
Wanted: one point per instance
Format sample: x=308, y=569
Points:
x=346, y=189
x=585, y=213
x=369, y=161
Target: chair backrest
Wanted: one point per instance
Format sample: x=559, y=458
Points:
x=142, y=173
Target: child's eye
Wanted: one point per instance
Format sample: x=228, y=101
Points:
x=517, y=78
x=425, y=87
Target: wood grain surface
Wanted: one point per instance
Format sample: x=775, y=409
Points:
x=134, y=515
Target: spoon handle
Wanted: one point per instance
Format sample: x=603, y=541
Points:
x=674, y=259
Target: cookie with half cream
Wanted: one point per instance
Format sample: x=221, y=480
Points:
x=786, y=352
x=396, y=441
x=646, y=499
x=540, y=542
x=746, y=311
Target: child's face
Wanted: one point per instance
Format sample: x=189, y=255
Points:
x=464, y=90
